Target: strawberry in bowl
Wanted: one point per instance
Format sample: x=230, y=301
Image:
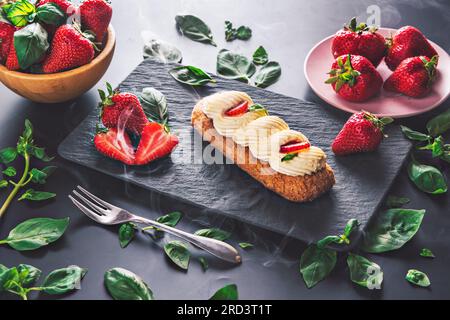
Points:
x=359, y=39
x=354, y=78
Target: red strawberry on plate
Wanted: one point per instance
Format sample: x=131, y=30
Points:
x=96, y=16
x=6, y=39
x=359, y=40
x=413, y=77
x=155, y=143
x=362, y=132
x=69, y=49
x=65, y=5
x=407, y=42
x=122, y=109
x=115, y=145
x=354, y=78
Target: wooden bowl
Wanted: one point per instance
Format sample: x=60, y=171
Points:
x=62, y=86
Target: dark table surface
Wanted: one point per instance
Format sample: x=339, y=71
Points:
x=288, y=29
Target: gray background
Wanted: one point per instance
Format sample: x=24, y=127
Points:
x=288, y=29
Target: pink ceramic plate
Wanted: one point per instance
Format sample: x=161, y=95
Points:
x=319, y=61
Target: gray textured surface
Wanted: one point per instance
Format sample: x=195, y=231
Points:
x=361, y=180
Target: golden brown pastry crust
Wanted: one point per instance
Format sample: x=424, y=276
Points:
x=294, y=188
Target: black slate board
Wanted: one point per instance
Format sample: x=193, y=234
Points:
x=361, y=180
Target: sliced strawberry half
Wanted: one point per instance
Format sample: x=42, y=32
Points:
x=155, y=143
x=114, y=145
x=238, y=110
x=294, y=146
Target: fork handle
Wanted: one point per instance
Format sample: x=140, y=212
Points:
x=217, y=248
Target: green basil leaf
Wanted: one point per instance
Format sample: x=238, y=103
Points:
x=20, y=13
x=31, y=44
x=418, y=278
x=316, y=263
x=427, y=178
x=163, y=51
x=243, y=33
x=437, y=147
x=427, y=253
x=3, y=184
x=245, y=245
x=351, y=225
x=127, y=232
x=234, y=66
x=289, y=156
x=178, y=252
x=63, y=280
x=268, y=74
x=260, y=56
x=35, y=233
x=396, y=202
x=194, y=28
x=439, y=124
x=229, y=292
x=391, y=230
x=39, y=153
x=51, y=13
x=170, y=219
x=214, y=233
x=8, y=155
x=414, y=135
x=125, y=285
x=27, y=131
x=154, y=104
x=191, y=75
x=40, y=176
x=33, y=195
x=28, y=274
x=9, y=279
x=10, y=172
x=204, y=263
x=364, y=272
x=328, y=240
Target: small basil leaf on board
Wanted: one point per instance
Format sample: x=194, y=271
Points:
x=191, y=75
x=3, y=184
x=31, y=44
x=40, y=176
x=214, y=233
x=163, y=51
x=194, y=28
x=316, y=263
x=427, y=178
x=28, y=274
x=8, y=155
x=10, y=172
x=396, y=202
x=243, y=33
x=63, y=280
x=20, y=13
x=229, y=292
x=178, y=252
x=391, y=230
x=418, y=278
x=245, y=245
x=127, y=232
x=35, y=233
x=33, y=195
x=123, y=284
x=234, y=66
x=204, y=263
x=268, y=74
x=170, y=219
x=154, y=103
x=439, y=124
x=414, y=135
x=260, y=56
x=39, y=153
x=364, y=272
x=426, y=253
x=51, y=14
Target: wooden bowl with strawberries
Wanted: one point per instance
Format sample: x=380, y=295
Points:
x=62, y=86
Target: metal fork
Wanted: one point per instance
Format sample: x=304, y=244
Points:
x=105, y=213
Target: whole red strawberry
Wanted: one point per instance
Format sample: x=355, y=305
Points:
x=362, y=132
x=359, y=39
x=354, y=78
x=155, y=143
x=96, y=16
x=115, y=145
x=6, y=39
x=69, y=49
x=413, y=77
x=68, y=7
x=407, y=42
x=122, y=110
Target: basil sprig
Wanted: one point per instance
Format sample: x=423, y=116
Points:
x=350, y=226
x=228, y=292
x=427, y=178
x=194, y=28
x=364, y=272
x=231, y=65
x=241, y=33
x=391, y=230
x=268, y=74
x=191, y=75
x=179, y=253
x=214, y=233
x=418, y=278
x=35, y=233
x=316, y=263
x=163, y=51
x=123, y=284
